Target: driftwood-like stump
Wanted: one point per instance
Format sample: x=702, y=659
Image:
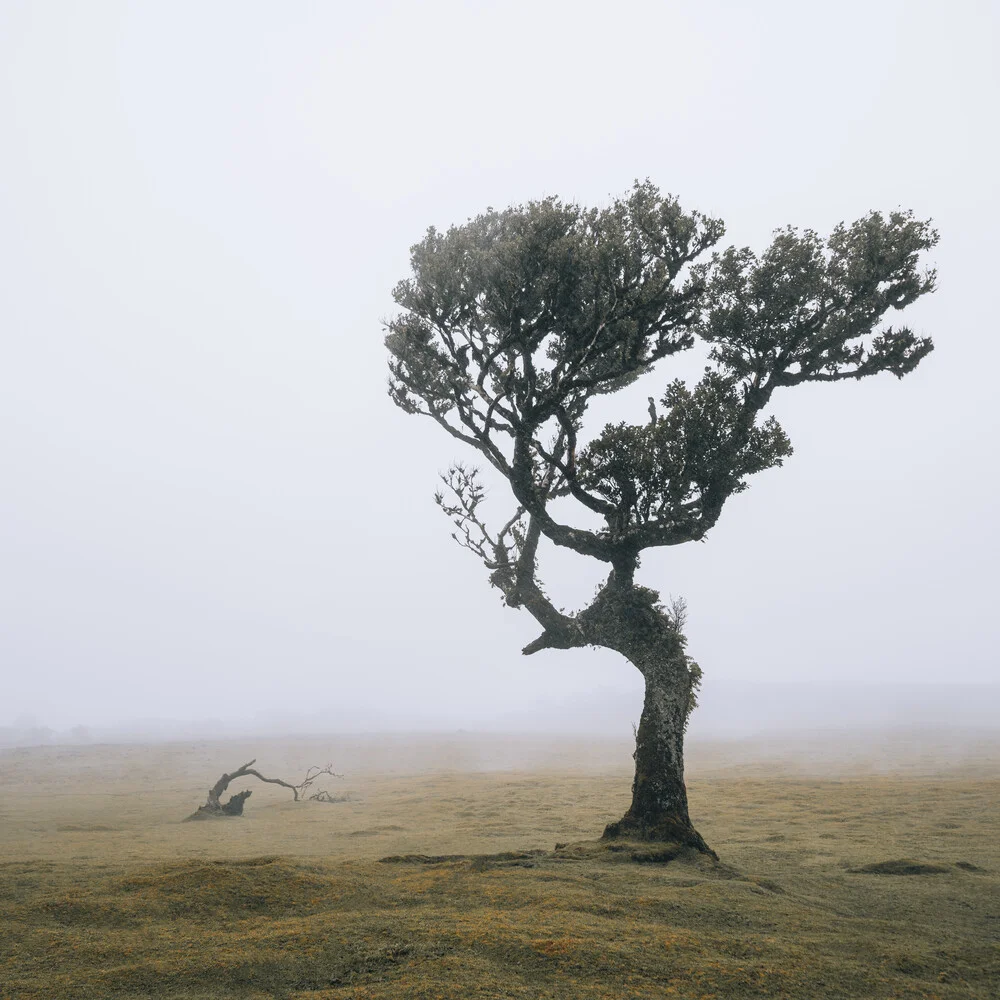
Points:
x=215, y=808
x=234, y=807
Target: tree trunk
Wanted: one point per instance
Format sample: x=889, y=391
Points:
x=630, y=620
x=659, y=809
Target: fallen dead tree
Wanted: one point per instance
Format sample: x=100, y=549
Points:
x=215, y=808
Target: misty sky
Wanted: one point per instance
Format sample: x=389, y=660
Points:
x=209, y=508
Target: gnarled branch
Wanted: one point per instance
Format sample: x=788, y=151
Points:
x=214, y=806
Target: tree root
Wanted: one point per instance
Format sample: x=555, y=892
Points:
x=665, y=831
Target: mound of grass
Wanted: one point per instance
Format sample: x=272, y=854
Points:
x=474, y=862
x=902, y=866
x=231, y=888
x=86, y=828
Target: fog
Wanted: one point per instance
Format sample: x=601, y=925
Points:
x=212, y=519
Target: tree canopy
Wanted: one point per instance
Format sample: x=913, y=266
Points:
x=510, y=324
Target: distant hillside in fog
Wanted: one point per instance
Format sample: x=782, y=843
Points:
x=733, y=709
x=739, y=708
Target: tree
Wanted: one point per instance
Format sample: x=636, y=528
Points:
x=215, y=808
x=510, y=325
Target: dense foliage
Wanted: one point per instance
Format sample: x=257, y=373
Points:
x=512, y=323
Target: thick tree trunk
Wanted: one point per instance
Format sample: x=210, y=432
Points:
x=630, y=619
x=659, y=809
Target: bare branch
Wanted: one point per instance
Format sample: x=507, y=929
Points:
x=312, y=774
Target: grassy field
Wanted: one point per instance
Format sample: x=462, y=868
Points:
x=438, y=876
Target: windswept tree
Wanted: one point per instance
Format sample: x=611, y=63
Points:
x=511, y=324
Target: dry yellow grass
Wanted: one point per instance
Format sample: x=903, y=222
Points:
x=105, y=893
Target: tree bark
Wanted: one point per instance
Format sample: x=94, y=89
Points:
x=659, y=809
x=629, y=619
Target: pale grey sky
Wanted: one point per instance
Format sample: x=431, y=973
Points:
x=210, y=508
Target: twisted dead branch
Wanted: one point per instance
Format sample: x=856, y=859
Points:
x=214, y=806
